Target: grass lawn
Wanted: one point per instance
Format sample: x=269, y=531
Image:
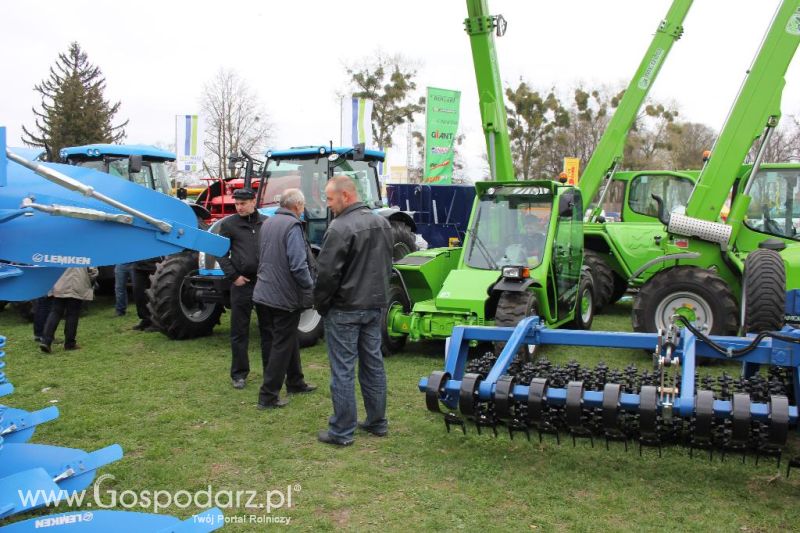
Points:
x=171, y=407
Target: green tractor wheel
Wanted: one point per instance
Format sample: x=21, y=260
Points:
x=603, y=278
x=397, y=301
x=763, y=291
x=585, y=306
x=698, y=294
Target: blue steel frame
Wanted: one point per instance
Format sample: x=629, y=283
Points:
x=531, y=332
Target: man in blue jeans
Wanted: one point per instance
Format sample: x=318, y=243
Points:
x=122, y=272
x=354, y=266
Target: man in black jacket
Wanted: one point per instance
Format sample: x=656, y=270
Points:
x=282, y=292
x=354, y=267
x=240, y=266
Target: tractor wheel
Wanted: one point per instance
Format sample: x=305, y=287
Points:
x=512, y=307
x=310, y=329
x=3, y=305
x=171, y=306
x=695, y=293
x=584, y=306
x=603, y=278
x=397, y=300
x=763, y=291
x=403, y=240
x=620, y=288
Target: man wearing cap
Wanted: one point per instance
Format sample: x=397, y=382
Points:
x=241, y=266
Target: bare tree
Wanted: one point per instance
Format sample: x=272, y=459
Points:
x=687, y=142
x=235, y=120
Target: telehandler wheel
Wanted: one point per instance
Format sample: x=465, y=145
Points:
x=696, y=293
x=620, y=288
x=397, y=300
x=403, y=240
x=603, y=278
x=763, y=291
x=511, y=308
x=310, y=329
x=584, y=306
x=171, y=305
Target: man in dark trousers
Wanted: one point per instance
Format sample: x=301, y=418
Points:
x=240, y=265
x=354, y=267
x=282, y=292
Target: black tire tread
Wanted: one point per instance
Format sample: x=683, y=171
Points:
x=765, y=291
x=603, y=278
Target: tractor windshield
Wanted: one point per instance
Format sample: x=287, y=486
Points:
x=509, y=228
x=775, y=203
x=153, y=175
x=674, y=190
x=311, y=176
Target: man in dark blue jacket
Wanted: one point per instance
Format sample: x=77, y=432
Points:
x=282, y=292
x=240, y=266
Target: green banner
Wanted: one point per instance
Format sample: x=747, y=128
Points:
x=440, y=134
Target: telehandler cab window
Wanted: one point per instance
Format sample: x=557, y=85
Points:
x=674, y=190
x=775, y=203
x=509, y=229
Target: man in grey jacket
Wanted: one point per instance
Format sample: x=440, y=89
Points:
x=283, y=290
x=355, y=264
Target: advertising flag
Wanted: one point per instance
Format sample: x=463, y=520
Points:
x=188, y=145
x=357, y=122
x=572, y=167
x=440, y=134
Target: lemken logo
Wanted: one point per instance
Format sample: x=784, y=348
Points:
x=64, y=520
x=61, y=259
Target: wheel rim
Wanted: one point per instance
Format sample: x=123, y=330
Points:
x=309, y=320
x=193, y=310
x=586, y=305
x=688, y=305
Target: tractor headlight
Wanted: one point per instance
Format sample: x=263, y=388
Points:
x=516, y=272
x=322, y=151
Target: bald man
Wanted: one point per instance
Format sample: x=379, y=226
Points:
x=354, y=266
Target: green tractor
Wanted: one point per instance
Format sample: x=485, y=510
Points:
x=522, y=256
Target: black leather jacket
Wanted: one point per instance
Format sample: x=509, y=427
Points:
x=355, y=263
x=242, y=260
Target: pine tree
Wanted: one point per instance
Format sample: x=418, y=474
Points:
x=74, y=111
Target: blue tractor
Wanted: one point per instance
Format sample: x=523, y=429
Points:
x=189, y=293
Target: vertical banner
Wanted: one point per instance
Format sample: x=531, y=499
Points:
x=3, y=160
x=572, y=167
x=357, y=122
x=441, y=126
x=188, y=146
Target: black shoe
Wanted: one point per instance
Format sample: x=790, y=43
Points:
x=272, y=405
x=326, y=438
x=151, y=328
x=307, y=387
x=72, y=346
x=371, y=431
x=43, y=346
x=238, y=383
x=119, y=313
x=142, y=325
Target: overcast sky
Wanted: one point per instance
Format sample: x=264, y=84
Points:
x=156, y=56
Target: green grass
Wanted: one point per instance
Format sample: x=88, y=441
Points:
x=171, y=407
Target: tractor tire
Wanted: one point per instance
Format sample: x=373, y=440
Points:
x=698, y=293
x=310, y=329
x=763, y=291
x=603, y=278
x=170, y=307
x=24, y=309
x=584, y=306
x=620, y=288
x=512, y=307
x=392, y=344
x=403, y=240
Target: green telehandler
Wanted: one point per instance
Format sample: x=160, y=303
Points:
x=523, y=249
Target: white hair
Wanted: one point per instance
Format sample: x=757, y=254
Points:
x=291, y=198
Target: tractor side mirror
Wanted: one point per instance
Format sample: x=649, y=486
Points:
x=566, y=205
x=135, y=164
x=182, y=193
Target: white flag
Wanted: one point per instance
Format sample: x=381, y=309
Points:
x=357, y=122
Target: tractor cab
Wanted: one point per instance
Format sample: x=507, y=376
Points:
x=141, y=164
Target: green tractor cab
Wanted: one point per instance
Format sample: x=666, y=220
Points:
x=522, y=256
